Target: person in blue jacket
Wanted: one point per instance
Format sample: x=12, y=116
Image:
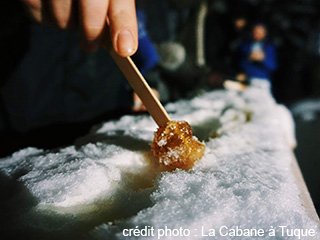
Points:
x=258, y=55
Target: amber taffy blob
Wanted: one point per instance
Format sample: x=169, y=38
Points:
x=175, y=147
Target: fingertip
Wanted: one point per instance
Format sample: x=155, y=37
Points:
x=123, y=27
x=124, y=43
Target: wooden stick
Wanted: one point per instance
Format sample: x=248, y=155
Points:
x=142, y=89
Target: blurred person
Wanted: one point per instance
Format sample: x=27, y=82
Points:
x=258, y=55
x=224, y=38
x=240, y=25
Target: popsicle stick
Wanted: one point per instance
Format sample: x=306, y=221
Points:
x=141, y=88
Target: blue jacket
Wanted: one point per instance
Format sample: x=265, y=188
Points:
x=262, y=69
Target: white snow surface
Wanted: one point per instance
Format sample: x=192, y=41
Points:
x=108, y=181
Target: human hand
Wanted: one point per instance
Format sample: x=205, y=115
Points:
x=93, y=18
x=257, y=55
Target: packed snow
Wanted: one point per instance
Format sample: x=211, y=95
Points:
x=108, y=186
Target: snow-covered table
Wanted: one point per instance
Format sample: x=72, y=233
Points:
x=108, y=186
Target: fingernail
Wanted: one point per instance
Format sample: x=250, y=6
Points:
x=125, y=42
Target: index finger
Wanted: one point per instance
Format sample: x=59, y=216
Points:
x=123, y=26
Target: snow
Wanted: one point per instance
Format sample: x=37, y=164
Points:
x=162, y=142
x=108, y=181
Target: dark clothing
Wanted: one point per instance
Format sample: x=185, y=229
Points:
x=257, y=69
x=56, y=81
